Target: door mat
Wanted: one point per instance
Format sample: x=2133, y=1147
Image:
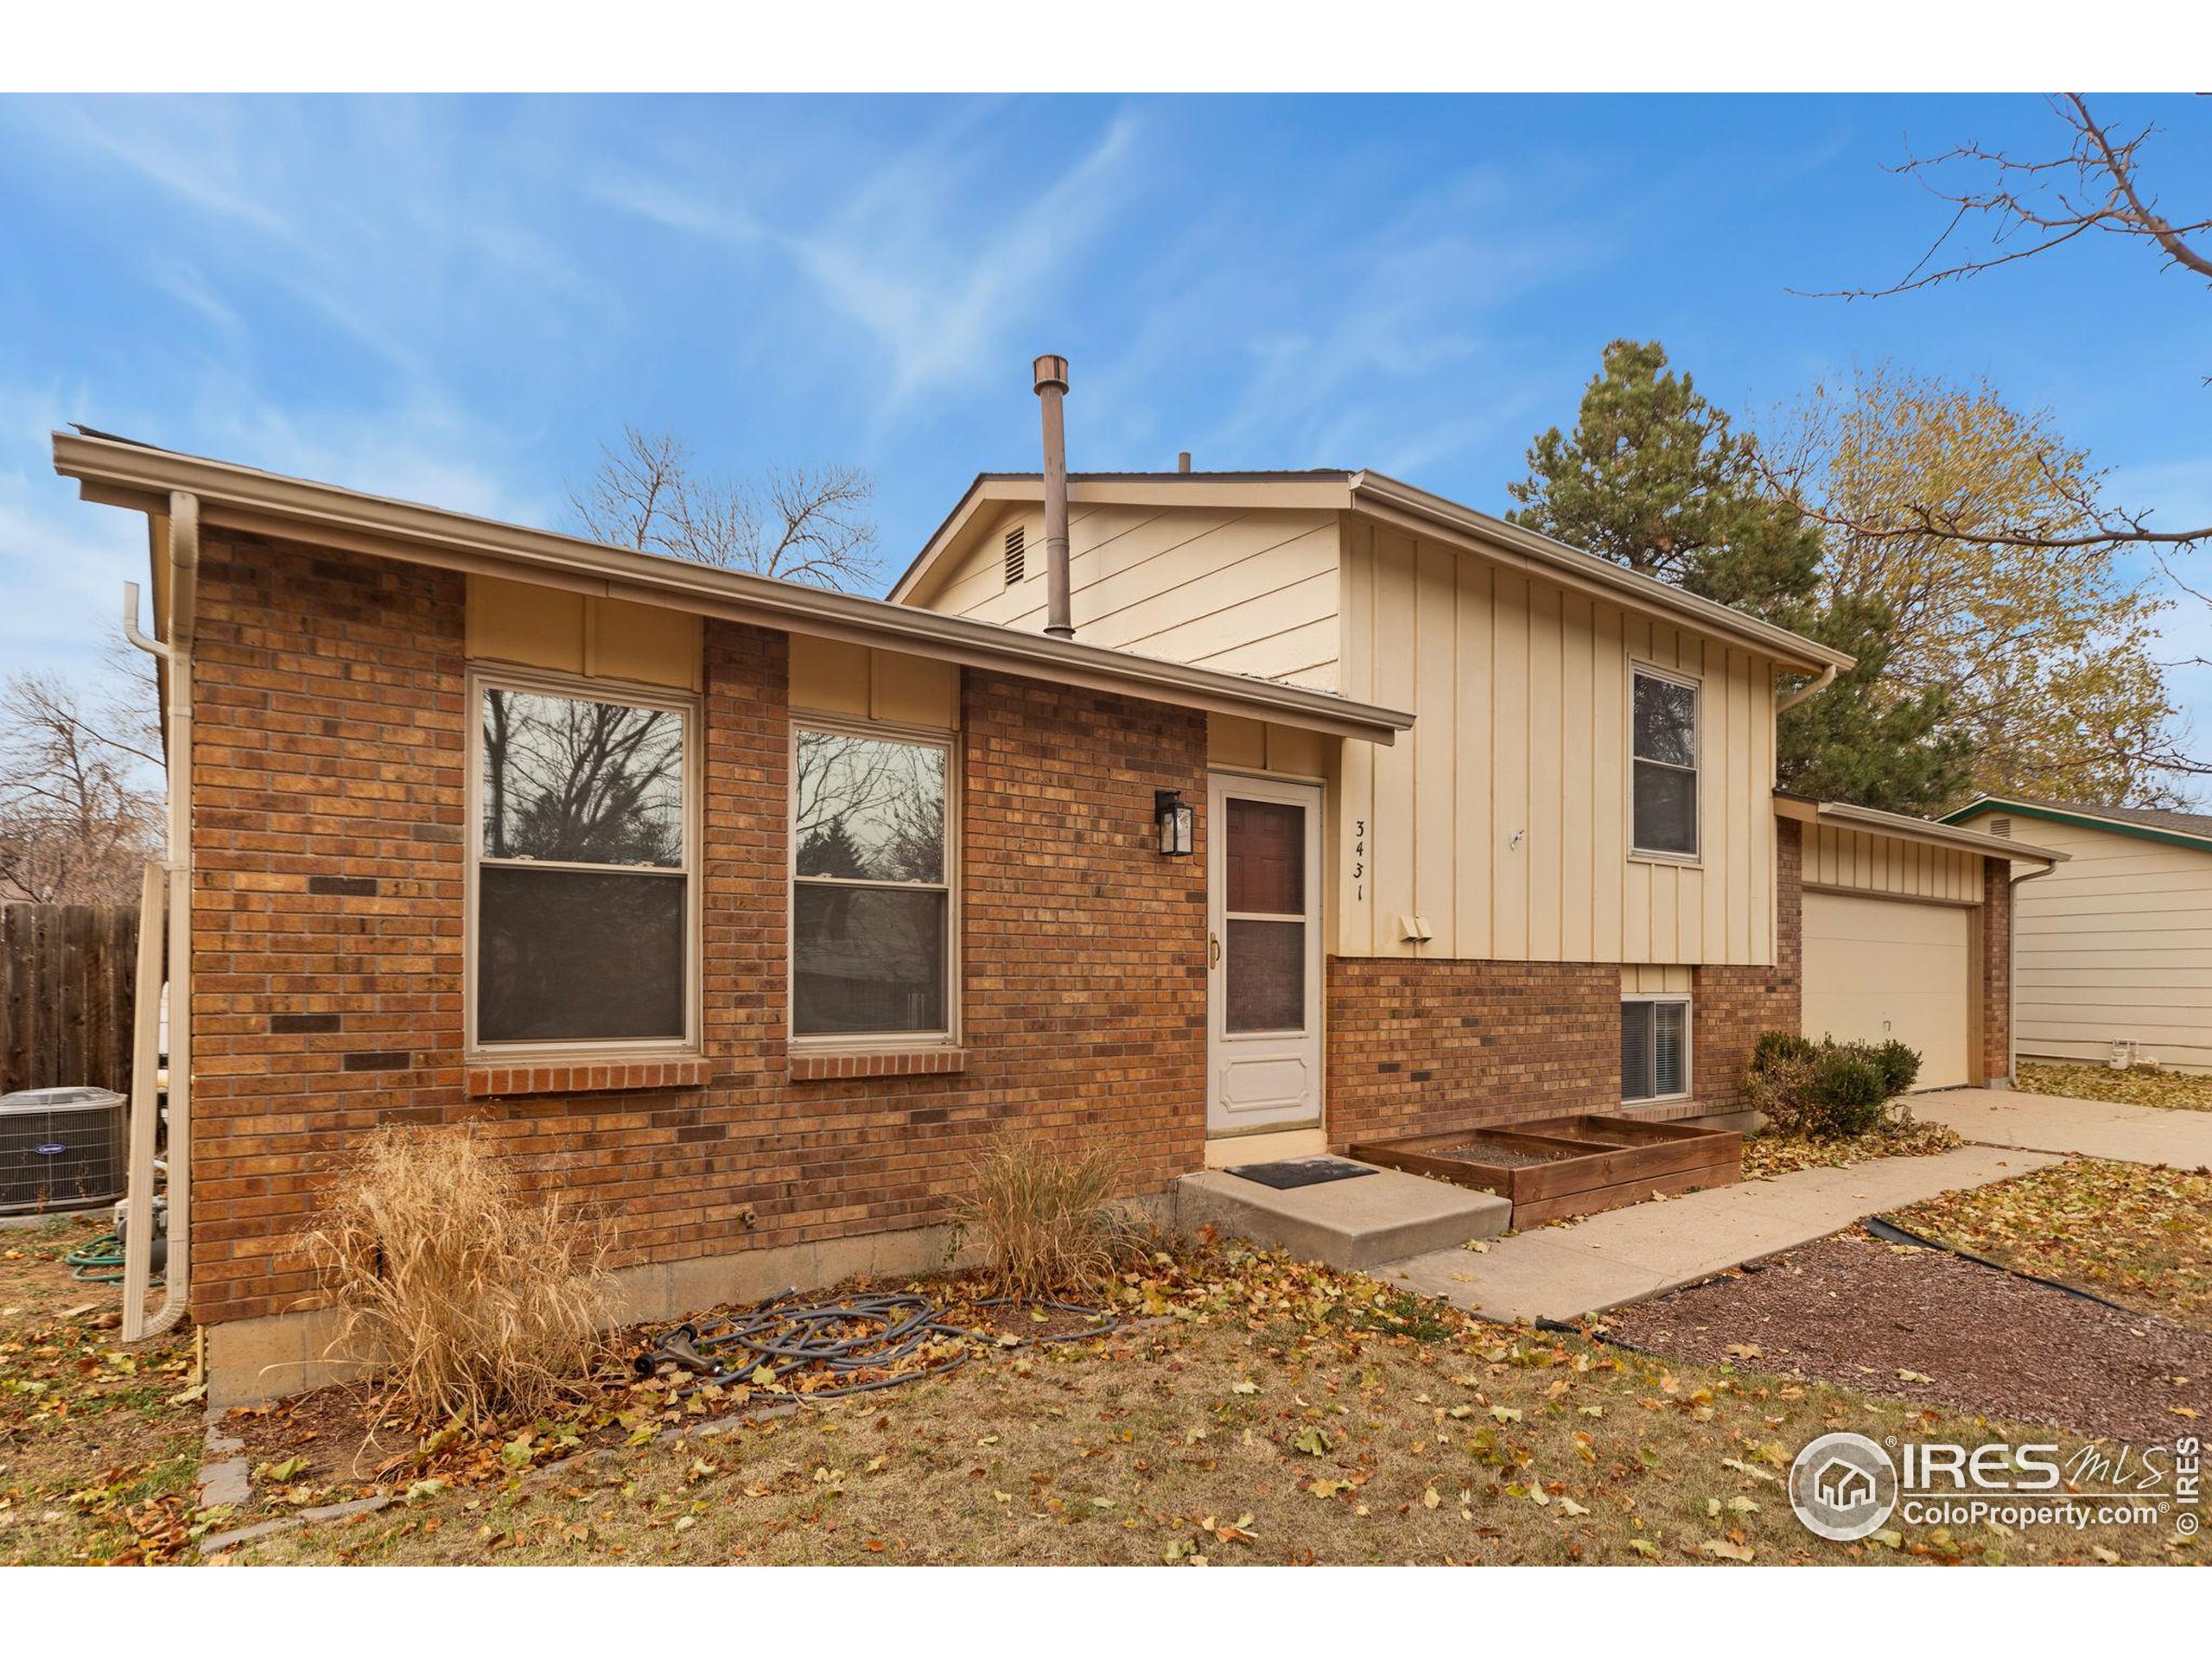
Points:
x=1300, y=1172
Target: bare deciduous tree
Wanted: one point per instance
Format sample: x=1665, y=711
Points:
x=802, y=524
x=77, y=818
x=2033, y=207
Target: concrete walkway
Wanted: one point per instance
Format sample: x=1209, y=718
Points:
x=1625, y=1255
x=2093, y=1128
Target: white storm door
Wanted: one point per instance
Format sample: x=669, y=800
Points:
x=1263, y=916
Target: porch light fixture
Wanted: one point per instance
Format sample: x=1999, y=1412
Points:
x=1176, y=820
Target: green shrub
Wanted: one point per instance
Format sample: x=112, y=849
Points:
x=1848, y=1092
x=1825, y=1090
x=1776, y=1048
x=1900, y=1066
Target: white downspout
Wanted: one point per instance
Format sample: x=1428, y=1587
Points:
x=175, y=653
x=1789, y=700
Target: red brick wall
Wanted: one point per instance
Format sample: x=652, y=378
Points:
x=1417, y=1048
x=1731, y=1006
x=1996, y=968
x=329, y=757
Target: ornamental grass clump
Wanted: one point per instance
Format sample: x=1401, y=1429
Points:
x=476, y=1299
x=1046, y=1218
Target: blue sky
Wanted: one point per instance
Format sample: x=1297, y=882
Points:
x=454, y=301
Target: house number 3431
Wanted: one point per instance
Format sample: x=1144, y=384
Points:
x=1359, y=858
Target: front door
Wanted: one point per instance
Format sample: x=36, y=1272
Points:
x=1264, y=1007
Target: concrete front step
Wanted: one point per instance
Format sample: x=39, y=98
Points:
x=1353, y=1225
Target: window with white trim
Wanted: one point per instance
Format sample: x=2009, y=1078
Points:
x=1663, y=724
x=872, y=914
x=1655, y=1048
x=585, y=866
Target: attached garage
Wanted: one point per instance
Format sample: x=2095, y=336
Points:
x=1878, y=967
x=1905, y=933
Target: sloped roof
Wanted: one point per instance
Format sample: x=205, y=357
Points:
x=120, y=472
x=2147, y=822
x=1387, y=499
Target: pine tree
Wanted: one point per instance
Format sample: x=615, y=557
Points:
x=1654, y=477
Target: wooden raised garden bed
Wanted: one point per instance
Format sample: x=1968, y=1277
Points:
x=1569, y=1166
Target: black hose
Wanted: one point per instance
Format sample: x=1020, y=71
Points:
x=875, y=1333
x=1890, y=1233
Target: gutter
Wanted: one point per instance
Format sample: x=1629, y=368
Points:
x=1784, y=703
x=132, y=475
x=165, y=895
x=1387, y=497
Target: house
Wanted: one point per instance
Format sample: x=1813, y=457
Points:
x=2115, y=945
x=1574, y=888
x=746, y=912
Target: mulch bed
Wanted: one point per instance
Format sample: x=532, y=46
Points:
x=1854, y=1311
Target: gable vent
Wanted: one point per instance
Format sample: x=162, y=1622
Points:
x=1016, y=548
x=2001, y=827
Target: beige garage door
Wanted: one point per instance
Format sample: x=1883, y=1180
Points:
x=1876, y=969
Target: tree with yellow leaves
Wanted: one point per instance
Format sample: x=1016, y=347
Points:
x=2046, y=656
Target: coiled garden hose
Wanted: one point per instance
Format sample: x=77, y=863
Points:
x=100, y=1262
x=868, y=1334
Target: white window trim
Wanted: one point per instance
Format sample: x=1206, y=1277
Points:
x=874, y=1042
x=588, y=689
x=1689, y=1048
x=1691, y=683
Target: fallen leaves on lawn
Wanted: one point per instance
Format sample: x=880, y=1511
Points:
x=2141, y=1086
x=2139, y=1235
x=1769, y=1156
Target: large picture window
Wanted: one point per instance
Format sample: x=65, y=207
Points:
x=871, y=893
x=1664, y=722
x=584, y=868
x=1654, y=1049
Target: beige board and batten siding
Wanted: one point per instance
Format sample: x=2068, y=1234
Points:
x=2113, y=946
x=570, y=632
x=1504, y=823
x=1247, y=591
x=1852, y=860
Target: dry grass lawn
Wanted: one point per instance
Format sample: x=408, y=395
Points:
x=1263, y=1412
x=2137, y=1234
x=2179, y=1091
x=98, y=1455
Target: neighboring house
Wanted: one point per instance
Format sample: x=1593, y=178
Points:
x=746, y=912
x=2115, y=944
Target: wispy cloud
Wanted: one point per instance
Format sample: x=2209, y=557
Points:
x=938, y=270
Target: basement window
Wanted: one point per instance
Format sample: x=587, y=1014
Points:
x=1017, y=553
x=1655, y=1048
x=872, y=903
x=1663, y=720
x=584, y=879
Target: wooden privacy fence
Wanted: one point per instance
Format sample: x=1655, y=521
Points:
x=66, y=990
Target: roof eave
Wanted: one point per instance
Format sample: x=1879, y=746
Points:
x=121, y=474
x=2082, y=817
x=1929, y=831
x=1383, y=496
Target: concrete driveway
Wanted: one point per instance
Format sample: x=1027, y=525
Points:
x=2093, y=1128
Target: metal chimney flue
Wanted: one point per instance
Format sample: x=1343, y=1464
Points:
x=1052, y=384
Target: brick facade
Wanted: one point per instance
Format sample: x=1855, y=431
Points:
x=1731, y=1006
x=1996, y=970
x=329, y=755
x=1419, y=1047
